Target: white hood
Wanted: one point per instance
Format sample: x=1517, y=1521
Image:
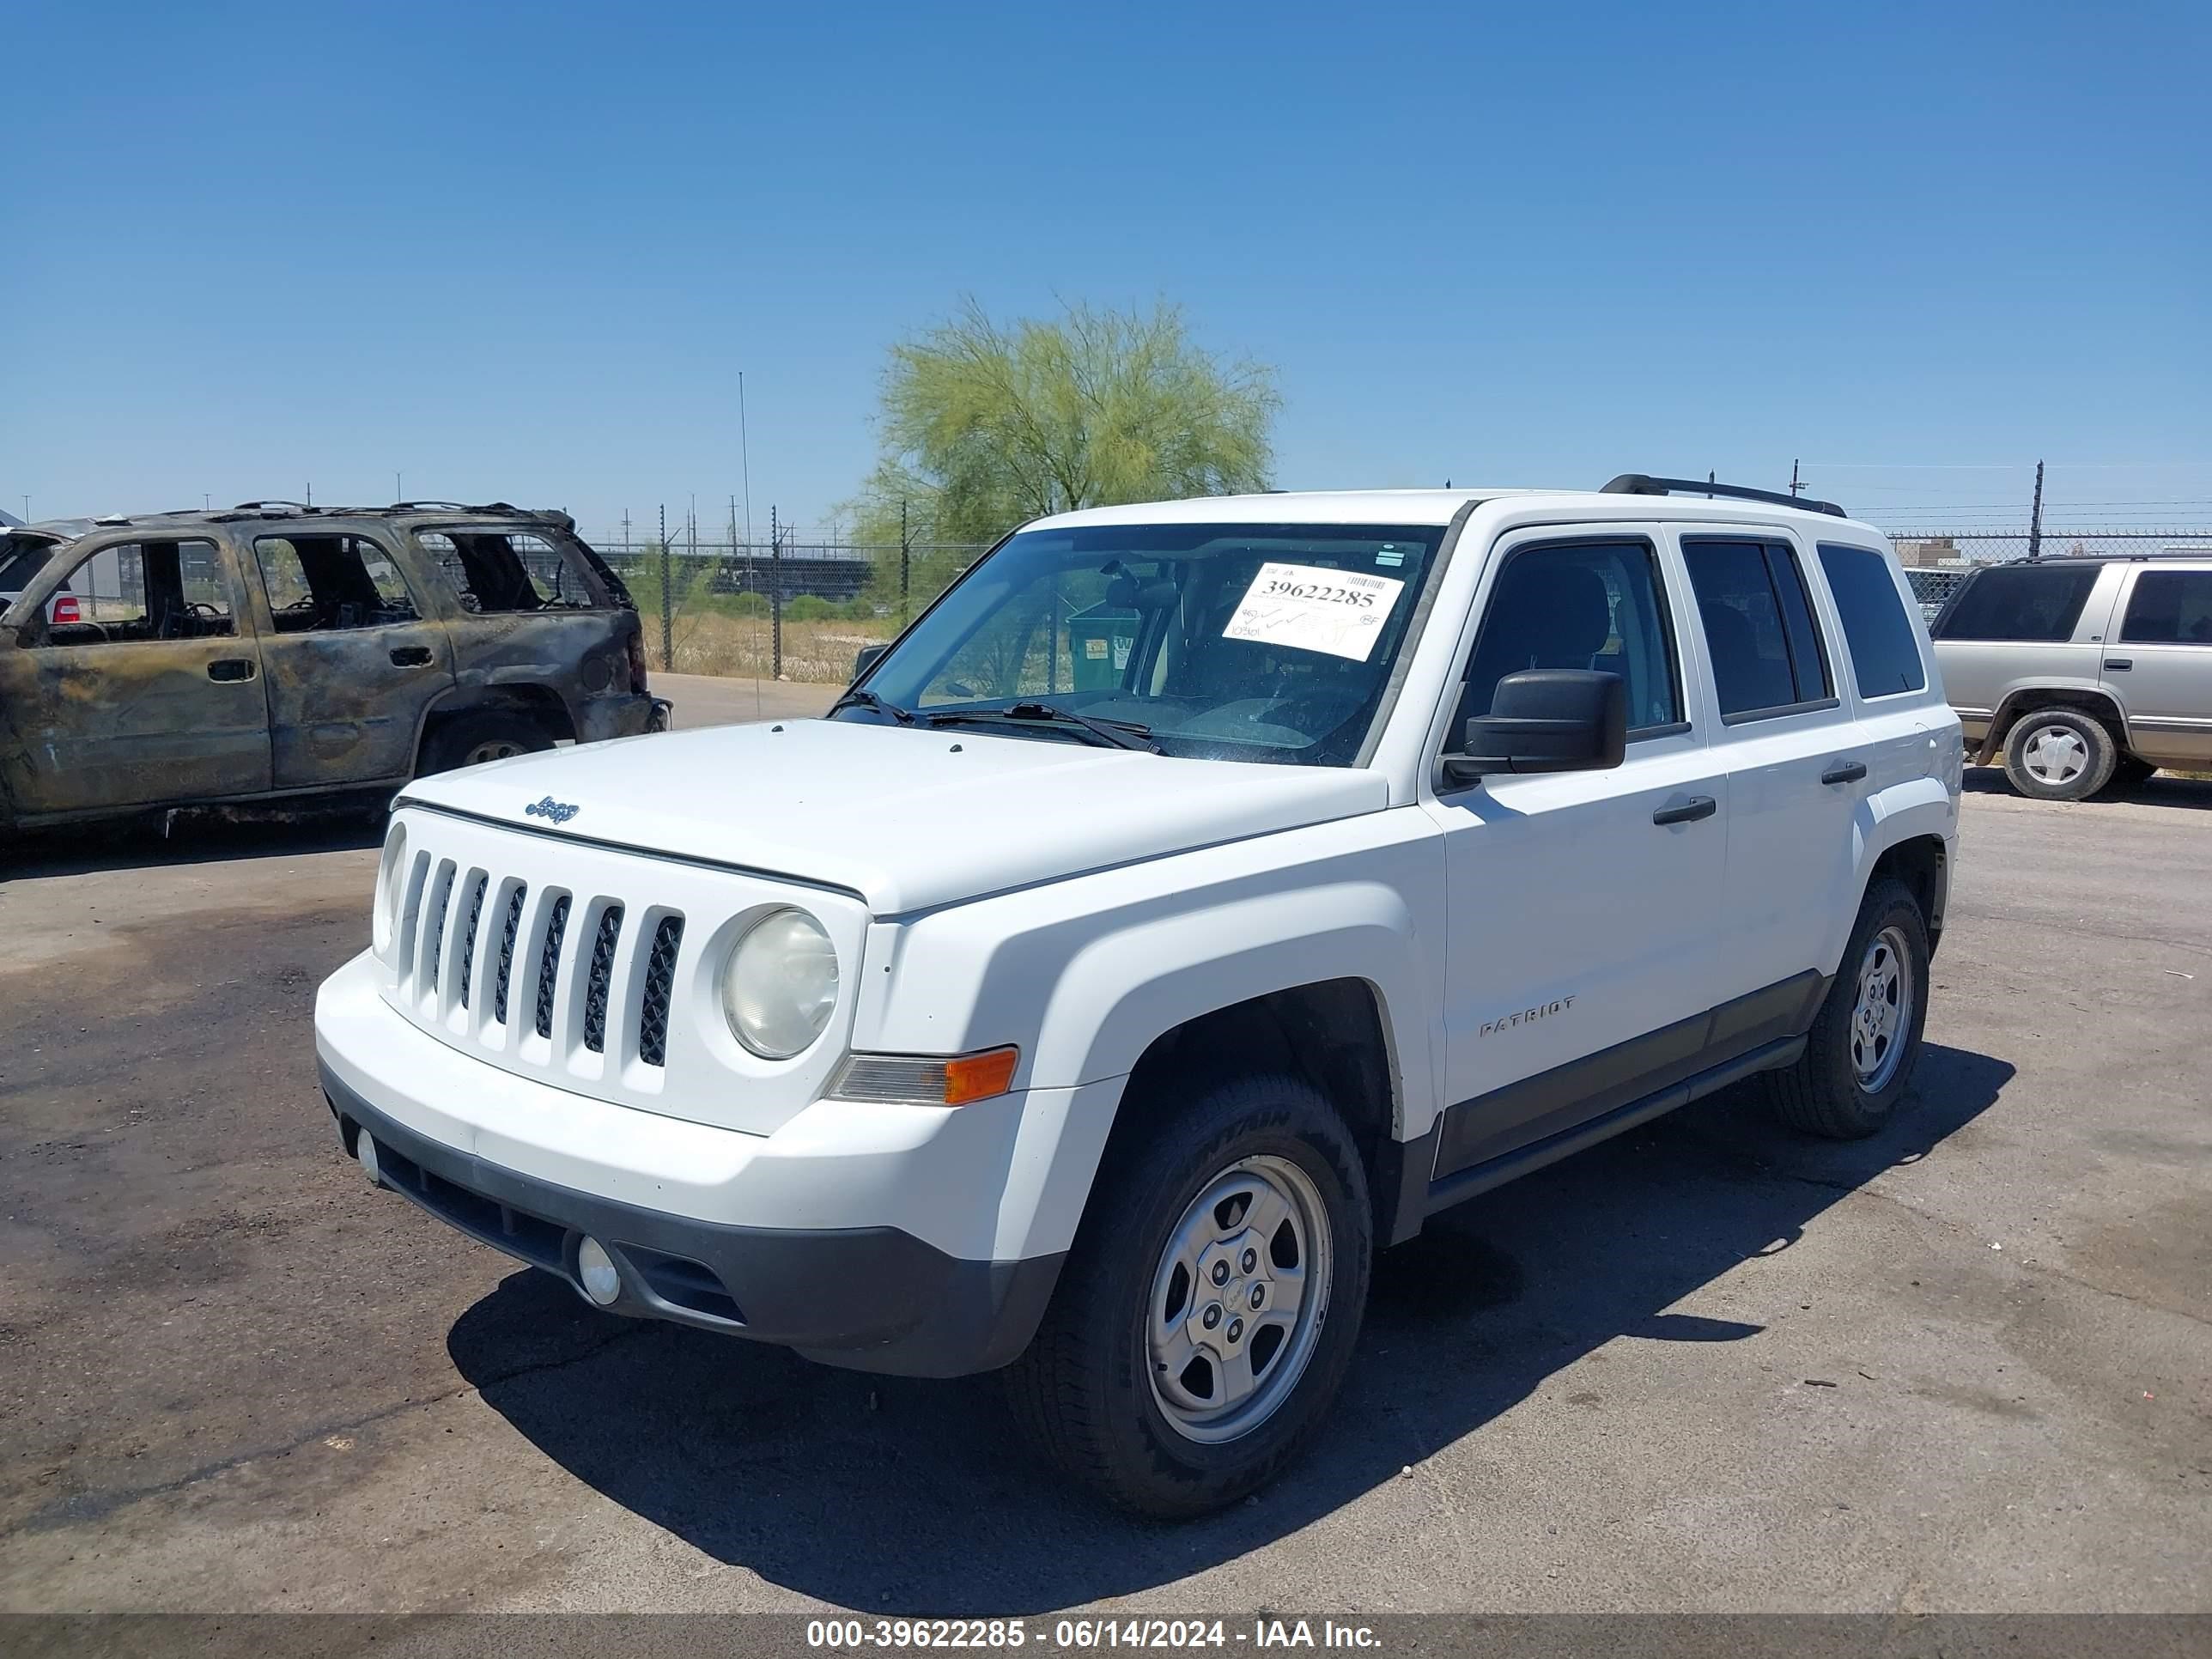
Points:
x=907, y=819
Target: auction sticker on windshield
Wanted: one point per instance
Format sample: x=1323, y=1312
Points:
x=1310, y=608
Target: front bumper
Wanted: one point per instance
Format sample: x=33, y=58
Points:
x=915, y=1240
x=870, y=1298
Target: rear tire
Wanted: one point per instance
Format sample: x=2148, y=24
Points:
x=1865, y=1040
x=2059, y=754
x=487, y=735
x=1132, y=1383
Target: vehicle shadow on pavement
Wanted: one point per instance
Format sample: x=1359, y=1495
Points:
x=2166, y=789
x=196, y=835
x=878, y=1493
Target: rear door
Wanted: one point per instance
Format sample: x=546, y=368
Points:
x=1787, y=740
x=2159, y=667
x=353, y=661
x=152, y=698
x=2021, y=627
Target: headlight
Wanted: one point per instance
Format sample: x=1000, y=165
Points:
x=391, y=891
x=780, y=984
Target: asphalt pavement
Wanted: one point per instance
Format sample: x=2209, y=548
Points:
x=1965, y=1366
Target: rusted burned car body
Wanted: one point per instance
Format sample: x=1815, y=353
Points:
x=274, y=651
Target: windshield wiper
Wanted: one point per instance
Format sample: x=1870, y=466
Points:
x=870, y=700
x=1118, y=734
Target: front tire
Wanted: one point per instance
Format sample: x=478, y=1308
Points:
x=1865, y=1040
x=2059, y=754
x=1207, y=1312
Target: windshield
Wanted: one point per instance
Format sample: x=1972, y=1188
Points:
x=1254, y=642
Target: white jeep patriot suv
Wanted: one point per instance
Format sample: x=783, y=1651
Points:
x=1194, y=899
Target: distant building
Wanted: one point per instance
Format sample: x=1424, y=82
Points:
x=1927, y=554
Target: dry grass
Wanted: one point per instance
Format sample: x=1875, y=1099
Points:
x=814, y=652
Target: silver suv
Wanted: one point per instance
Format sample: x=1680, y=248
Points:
x=2082, y=672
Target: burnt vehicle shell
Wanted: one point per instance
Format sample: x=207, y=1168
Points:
x=273, y=652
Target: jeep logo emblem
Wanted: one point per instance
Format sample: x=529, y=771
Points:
x=559, y=811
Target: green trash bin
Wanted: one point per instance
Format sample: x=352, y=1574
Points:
x=1101, y=639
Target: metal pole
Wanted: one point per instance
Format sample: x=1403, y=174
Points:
x=667, y=600
x=1794, y=485
x=906, y=564
x=2035, y=516
x=774, y=595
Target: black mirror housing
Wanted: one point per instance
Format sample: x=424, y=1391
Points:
x=864, y=658
x=1547, y=720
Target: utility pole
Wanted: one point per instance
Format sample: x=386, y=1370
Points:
x=398, y=494
x=1794, y=485
x=2035, y=516
x=906, y=563
x=667, y=600
x=310, y=502
x=774, y=594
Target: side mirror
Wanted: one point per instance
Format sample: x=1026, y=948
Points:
x=1547, y=720
x=864, y=658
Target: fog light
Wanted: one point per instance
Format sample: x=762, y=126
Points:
x=364, y=1148
x=597, y=1268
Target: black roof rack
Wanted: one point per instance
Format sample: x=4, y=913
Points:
x=1643, y=483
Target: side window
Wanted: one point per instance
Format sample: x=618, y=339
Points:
x=2170, y=607
x=148, y=591
x=1578, y=604
x=331, y=582
x=1759, y=631
x=501, y=570
x=2016, y=602
x=1885, y=655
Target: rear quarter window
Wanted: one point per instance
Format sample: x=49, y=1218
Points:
x=2018, y=602
x=494, y=570
x=1885, y=655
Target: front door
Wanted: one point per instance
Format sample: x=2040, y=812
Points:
x=152, y=698
x=1579, y=952
x=353, y=662
x=2160, y=667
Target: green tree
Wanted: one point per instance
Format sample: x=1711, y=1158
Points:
x=985, y=425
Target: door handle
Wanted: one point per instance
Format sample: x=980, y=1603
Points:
x=1845, y=772
x=1697, y=806
x=410, y=656
x=2118, y=664
x=231, y=668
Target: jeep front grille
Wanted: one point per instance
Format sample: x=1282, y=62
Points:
x=602, y=970
x=507, y=951
x=549, y=963
x=659, y=984
x=616, y=1006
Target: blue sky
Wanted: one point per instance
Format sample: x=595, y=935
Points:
x=525, y=251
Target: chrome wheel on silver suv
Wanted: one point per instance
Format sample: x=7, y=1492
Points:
x=2059, y=754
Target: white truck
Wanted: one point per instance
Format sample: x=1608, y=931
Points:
x=1194, y=899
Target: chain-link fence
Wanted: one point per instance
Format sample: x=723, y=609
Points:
x=778, y=610
x=799, y=607
x=1937, y=561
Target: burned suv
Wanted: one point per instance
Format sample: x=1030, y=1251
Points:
x=275, y=651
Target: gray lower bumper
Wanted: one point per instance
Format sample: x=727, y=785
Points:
x=871, y=1299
